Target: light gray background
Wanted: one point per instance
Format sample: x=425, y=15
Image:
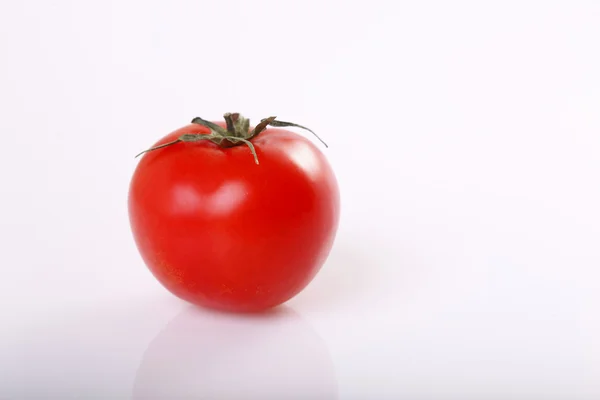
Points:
x=466, y=139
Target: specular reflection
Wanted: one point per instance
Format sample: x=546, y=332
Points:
x=208, y=355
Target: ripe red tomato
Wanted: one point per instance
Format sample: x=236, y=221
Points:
x=219, y=230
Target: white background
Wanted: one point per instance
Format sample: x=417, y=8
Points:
x=466, y=139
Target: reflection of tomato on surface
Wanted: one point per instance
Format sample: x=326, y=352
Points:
x=202, y=355
x=234, y=218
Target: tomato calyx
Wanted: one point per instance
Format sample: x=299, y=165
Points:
x=236, y=133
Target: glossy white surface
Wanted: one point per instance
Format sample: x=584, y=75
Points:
x=466, y=140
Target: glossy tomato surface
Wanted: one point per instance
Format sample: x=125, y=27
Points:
x=220, y=231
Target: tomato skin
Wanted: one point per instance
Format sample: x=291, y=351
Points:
x=219, y=231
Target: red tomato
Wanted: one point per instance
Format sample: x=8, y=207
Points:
x=218, y=230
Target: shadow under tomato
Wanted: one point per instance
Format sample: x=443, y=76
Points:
x=205, y=354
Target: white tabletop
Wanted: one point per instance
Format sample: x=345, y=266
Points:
x=466, y=140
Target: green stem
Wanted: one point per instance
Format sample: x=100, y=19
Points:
x=249, y=144
x=229, y=122
x=237, y=132
x=158, y=147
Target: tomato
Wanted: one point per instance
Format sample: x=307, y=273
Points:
x=221, y=227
